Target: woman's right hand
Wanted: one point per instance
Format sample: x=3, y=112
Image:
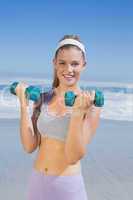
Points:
x=20, y=92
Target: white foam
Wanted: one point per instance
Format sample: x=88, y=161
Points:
x=118, y=106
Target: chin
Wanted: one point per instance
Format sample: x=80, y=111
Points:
x=68, y=83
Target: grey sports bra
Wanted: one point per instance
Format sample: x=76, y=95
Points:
x=49, y=124
x=52, y=125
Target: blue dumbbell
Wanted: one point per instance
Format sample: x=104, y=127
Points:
x=98, y=99
x=33, y=93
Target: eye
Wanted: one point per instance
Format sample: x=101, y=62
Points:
x=61, y=63
x=75, y=64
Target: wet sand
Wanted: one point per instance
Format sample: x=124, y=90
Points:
x=107, y=167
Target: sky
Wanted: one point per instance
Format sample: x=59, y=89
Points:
x=30, y=31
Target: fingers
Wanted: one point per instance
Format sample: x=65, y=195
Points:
x=20, y=92
x=88, y=97
x=85, y=99
x=23, y=85
x=81, y=101
x=92, y=93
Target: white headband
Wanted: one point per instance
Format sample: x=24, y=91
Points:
x=71, y=41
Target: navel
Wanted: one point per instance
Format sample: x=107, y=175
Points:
x=46, y=169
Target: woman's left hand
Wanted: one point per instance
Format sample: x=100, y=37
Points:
x=83, y=102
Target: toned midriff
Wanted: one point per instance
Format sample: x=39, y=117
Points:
x=51, y=158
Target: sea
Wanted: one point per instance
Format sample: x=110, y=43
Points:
x=118, y=98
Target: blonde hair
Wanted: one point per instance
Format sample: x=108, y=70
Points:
x=76, y=37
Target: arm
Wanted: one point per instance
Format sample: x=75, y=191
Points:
x=28, y=134
x=29, y=138
x=82, y=128
x=91, y=122
x=74, y=146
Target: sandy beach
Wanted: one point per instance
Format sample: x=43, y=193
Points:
x=107, y=166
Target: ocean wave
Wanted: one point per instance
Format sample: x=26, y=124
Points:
x=118, y=105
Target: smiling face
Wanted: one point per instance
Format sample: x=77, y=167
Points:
x=68, y=64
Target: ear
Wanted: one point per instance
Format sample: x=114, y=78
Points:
x=84, y=66
x=54, y=62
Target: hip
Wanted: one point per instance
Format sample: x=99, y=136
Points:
x=42, y=186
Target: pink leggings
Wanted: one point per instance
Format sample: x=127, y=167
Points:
x=54, y=187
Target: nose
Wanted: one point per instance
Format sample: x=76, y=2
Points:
x=70, y=68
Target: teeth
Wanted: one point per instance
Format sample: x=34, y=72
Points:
x=68, y=76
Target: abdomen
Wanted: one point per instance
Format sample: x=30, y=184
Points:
x=52, y=160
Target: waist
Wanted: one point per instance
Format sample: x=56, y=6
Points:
x=51, y=159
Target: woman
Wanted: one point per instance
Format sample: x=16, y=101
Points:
x=61, y=133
